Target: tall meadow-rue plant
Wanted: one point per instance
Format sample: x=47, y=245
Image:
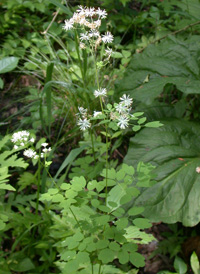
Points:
x=94, y=233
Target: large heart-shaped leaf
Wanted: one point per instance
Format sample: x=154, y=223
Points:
x=172, y=61
x=175, y=151
x=8, y=63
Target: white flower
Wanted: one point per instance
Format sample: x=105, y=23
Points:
x=198, y=169
x=44, y=144
x=100, y=92
x=83, y=111
x=84, y=124
x=68, y=24
x=101, y=13
x=16, y=147
x=22, y=144
x=97, y=113
x=121, y=108
x=107, y=38
x=20, y=136
x=126, y=100
x=123, y=121
x=93, y=33
x=82, y=46
x=81, y=10
x=32, y=140
x=108, y=52
x=30, y=153
x=97, y=23
x=84, y=36
x=90, y=12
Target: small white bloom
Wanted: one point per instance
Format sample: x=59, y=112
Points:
x=107, y=38
x=68, y=24
x=121, y=108
x=126, y=100
x=44, y=144
x=84, y=124
x=101, y=13
x=84, y=37
x=36, y=157
x=83, y=111
x=49, y=149
x=198, y=169
x=97, y=23
x=82, y=46
x=42, y=155
x=22, y=144
x=90, y=12
x=32, y=140
x=81, y=10
x=123, y=121
x=30, y=153
x=97, y=113
x=16, y=147
x=108, y=52
x=100, y=92
x=93, y=33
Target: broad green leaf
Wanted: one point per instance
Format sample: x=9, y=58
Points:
x=180, y=266
x=123, y=257
x=153, y=124
x=102, y=220
x=142, y=223
x=106, y=255
x=174, y=149
x=135, y=211
x=101, y=244
x=114, y=246
x=67, y=255
x=115, y=195
x=122, y=223
x=172, y=61
x=195, y=263
x=134, y=233
x=137, y=259
x=8, y=63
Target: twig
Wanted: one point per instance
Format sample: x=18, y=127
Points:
x=54, y=18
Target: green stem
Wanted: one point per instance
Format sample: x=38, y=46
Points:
x=106, y=163
x=38, y=188
x=75, y=219
x=99, y=269
x=93, y=151
x=79, y=58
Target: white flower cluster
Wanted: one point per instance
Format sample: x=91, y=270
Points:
x=30, y=153
x=22, y=138
x=123, y=109
x=90, y=19
x=83, y=121
x=120, y=113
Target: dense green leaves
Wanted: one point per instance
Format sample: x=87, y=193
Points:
x=174, y=150
x=171, y=61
